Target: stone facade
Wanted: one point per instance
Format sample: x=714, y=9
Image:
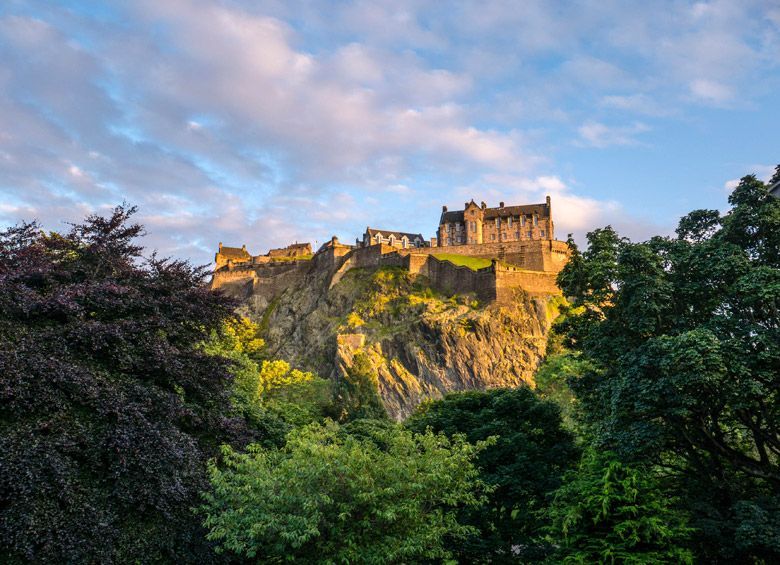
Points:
x=478, y=224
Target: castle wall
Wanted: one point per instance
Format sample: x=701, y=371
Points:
x=533, y=266
x=508, y=280
x=545, y=255
x=267, y=279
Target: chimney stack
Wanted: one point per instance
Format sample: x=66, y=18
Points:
x=443, y=209
x=243, y=247
x=500, y=204
x=220, y=246
x=484, y=205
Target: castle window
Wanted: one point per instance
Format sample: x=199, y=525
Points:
x=473, y=226
x=498, y=222
x=536, y=220
x=541, y=233
x=517, y=234
x=528, y=234
x=522, y=221
x=509, y=221
x=493, y=236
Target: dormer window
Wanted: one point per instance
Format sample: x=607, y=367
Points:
x=378, y=238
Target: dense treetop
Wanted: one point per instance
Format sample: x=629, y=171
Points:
x=108, y=406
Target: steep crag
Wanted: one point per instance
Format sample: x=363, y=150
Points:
x=421, y=343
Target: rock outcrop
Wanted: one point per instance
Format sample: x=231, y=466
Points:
x=421, y=343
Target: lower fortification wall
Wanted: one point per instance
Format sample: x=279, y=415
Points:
x=266, y=278
x=538, y=255
x=508, y=280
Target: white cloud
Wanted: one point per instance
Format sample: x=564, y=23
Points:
x=597, y=134
x=711, y=92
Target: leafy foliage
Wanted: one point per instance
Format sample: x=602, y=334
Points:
x=382, y=495
x=608, y=512
x=270, y=395
x=682, y=342
x=530, y=455
x=356, y=394
x=108, y=408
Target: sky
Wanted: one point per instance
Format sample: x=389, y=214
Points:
x=268, y=122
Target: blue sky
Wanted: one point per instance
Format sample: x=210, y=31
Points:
x=267, y=122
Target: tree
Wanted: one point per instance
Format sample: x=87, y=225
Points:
x=270, y=395
x=681, y=337
x=109, y=408
x=531, y=453
x=356, y=393
x=383, y=495
x=608, y=512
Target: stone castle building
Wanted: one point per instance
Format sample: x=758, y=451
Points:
x=476, y=225
x=401, y=240
x=235, y=256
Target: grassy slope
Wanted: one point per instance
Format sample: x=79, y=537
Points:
x=470, y=262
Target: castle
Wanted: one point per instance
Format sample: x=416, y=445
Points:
x=517, y=240
x=479, y=224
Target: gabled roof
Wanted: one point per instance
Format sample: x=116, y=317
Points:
x=397, y=234
x=451, y=217
x=234, y=253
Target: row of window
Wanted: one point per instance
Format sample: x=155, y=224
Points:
x=509, y=221
x=501, y=237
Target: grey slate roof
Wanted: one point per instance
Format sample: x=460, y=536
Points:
x=398, y=234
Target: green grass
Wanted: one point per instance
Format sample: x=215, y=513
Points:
x=474, y=263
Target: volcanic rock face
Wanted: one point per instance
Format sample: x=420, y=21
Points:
x=421, y=343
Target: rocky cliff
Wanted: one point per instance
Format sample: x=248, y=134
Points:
x=421, y=343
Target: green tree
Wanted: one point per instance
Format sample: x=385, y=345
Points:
x=333, y=497
x=531, y=453
x=270, y=395
x=356, y=393
x=682, y=342
x=608, y=512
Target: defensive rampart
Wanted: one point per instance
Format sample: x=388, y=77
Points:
x=536, y=264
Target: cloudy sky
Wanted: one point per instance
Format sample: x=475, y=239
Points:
x=264, y=122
